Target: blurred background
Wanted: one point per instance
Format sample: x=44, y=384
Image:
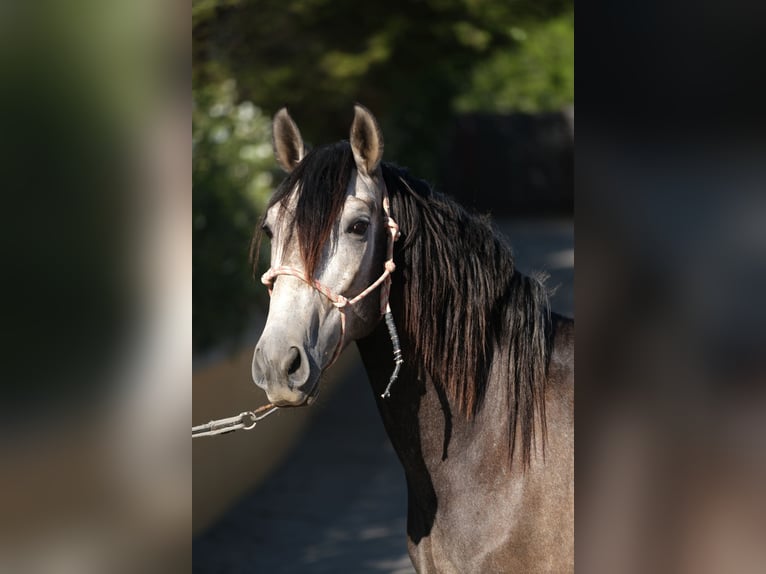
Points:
x=95, y=165
x=475, y=97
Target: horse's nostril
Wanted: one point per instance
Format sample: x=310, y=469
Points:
x=295, y=362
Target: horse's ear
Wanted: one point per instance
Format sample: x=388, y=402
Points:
x=288, y=143
x=366, y=140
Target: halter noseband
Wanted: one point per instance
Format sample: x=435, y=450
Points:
x=341, y=303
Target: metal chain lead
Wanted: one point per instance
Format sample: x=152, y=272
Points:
x=243, y=421
x=247, y=420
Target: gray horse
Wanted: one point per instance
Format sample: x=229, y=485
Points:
x=481, y=415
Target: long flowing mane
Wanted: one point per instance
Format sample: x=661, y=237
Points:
x=467, y=312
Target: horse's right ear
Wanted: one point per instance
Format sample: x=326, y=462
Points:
x=288, y=143
x=366, y=140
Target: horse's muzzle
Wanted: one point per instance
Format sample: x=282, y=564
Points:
x=284, y=373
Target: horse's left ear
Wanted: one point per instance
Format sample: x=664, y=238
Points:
x=366, y=140
x=288, y=143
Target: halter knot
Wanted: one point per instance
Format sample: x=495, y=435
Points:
x=394, y=227
x=390, y=266
x=340, y=301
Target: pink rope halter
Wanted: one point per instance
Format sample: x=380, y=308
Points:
x=341, y=303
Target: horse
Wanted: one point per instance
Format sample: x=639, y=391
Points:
x=481, y=412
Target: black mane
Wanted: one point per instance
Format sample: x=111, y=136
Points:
x=466, y=309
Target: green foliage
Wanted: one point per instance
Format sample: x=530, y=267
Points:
x=415, y=64
x=538, y=75
x=407, y=61
x=233, y=171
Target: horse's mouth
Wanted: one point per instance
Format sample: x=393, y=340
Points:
x=308, y=398
x=313, y=394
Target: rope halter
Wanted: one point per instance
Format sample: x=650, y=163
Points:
x=341, y=303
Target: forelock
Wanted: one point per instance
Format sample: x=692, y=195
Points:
x=320, y=182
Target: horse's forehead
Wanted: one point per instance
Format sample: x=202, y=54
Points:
x=362, y=188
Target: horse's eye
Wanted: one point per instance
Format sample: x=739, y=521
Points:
x=359, y=228
x=267, y=231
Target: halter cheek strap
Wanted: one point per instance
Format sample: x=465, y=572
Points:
x=341, y=303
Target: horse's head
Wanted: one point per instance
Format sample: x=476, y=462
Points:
x=329, y=239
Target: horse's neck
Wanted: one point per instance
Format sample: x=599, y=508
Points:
x=457, y=469
x=423, y=427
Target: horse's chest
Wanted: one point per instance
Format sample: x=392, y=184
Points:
x=473, y=528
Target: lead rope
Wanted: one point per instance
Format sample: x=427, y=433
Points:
x=398, y=360
x=385, y=292
x=247, y=420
